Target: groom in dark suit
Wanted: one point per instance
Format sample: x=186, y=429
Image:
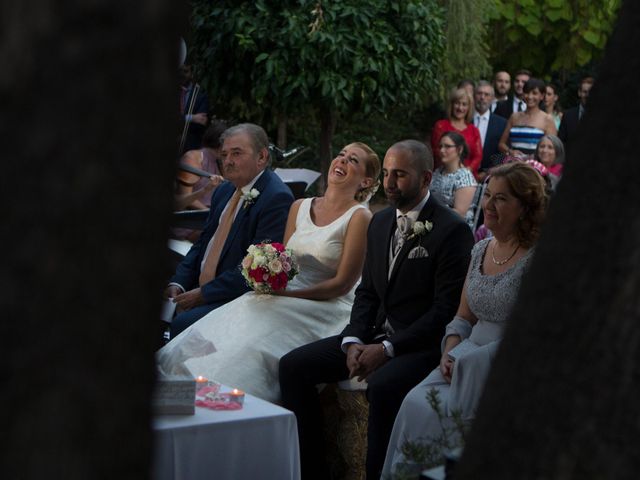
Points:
x=417, y=257
x=251, y=206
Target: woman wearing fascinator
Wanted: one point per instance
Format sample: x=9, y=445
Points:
x=240, y=343
x=514, y=204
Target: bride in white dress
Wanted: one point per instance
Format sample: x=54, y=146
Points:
x=240, y=343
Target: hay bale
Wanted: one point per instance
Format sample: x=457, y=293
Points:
x=346, y=414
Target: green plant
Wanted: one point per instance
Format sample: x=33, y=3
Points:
x=429, y=452
x=548, y=36
x=269, y=61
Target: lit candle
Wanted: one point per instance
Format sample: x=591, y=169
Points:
x=201, y=382
x=236, y=396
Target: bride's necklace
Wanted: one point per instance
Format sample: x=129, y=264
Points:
x=502, y=262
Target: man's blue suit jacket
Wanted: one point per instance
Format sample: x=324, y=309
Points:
x=495, y=127
x=265, y=219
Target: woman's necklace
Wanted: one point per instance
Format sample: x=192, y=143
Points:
x=502, y=262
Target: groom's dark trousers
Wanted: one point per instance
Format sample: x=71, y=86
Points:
x=416, y=300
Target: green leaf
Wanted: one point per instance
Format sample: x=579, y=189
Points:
x=592, y=37
x=261, y=57
x=583, y=56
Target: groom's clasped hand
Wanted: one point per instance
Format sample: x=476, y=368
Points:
x=363, y=360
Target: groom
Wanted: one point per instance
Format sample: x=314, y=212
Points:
x=250, y=207
x=417, y=257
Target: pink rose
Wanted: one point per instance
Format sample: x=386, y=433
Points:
x=247, y=261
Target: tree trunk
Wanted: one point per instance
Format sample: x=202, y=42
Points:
x=90, y=129
x=282, y=131
x=562, y=399
x=327, y=128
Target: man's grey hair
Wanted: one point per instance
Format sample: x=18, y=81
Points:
x=256, y=133
x=419, y=153
x=484, y=83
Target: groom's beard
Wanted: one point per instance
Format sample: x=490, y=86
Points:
x=400, y=199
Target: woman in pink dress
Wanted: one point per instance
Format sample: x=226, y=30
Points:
x=460, y=115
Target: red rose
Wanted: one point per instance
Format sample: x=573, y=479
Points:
x=278, y=246
x=279, y=281
x=257, y=274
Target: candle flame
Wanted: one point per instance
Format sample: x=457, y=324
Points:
x=200, y=378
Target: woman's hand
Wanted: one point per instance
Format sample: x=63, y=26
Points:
x=446, y=367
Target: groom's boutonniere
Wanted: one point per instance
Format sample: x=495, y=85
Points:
x=420, y=228
x=249, y=198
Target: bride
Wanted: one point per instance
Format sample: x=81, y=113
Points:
x=240, y=343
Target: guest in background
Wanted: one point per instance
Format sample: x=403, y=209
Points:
x=515, y=102
x=514, y=206
x=206, y=158
x=550, y=152
x=468, y=85
x=551, y=104
x=452, y=183
x=573, y=116
x=194, y=110
x=501, y=85
x=524, y=129
x=460, y=117
x=489, y=125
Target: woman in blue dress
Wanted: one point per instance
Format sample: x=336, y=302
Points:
x=525, y=129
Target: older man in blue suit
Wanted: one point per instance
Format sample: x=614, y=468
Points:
x=249, y=207
x=490, y=125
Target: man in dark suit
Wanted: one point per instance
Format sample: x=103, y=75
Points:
x=490, y=125
x=573, y=116
x=515, y=102
x=251, y=206
x=410, y=289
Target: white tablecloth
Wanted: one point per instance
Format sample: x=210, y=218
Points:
x=260, y=441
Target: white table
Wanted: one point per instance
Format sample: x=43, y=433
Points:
x=260, y=441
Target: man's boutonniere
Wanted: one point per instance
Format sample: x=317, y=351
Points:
x=249, y=198
x=420, y=228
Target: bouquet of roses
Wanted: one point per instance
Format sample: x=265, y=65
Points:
x=268, y=267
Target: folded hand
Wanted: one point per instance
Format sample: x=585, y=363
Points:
x=446, y=367
x=370, y=359
x=190, y=299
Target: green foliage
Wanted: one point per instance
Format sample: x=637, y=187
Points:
x=297, y=56
x=548, y=36
x=466, y=48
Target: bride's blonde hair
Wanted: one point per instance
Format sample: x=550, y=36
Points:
x=371, y=169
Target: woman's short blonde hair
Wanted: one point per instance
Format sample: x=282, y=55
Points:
x=460, y=94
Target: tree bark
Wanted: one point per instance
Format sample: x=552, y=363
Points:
x=328, y=119
x=562, y=399
x=89, y=97
x=282, y=131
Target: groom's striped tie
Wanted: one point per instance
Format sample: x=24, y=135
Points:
x=402, y=231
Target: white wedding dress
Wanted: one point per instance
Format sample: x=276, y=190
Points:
x=252, y=333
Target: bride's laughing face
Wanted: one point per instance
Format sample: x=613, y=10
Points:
x=349, y=167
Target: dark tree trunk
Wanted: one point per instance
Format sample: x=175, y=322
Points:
x=282, y=131
x=327, y=129
x=562, y=399
x=89, y=97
